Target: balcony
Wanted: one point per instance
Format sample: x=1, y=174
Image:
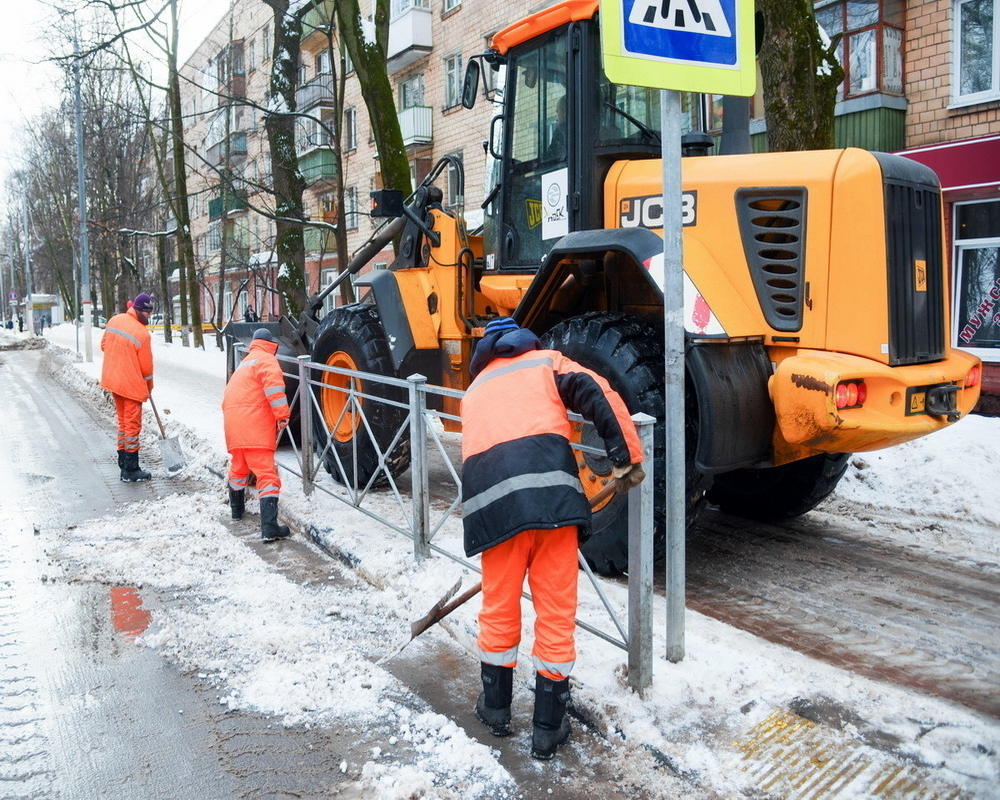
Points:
x=316, y=23
x=234, y=202
x=317, y=165
x=415, y=123
x=319, y=239
x=317, y=92
x=409, y=36
x=237, y=149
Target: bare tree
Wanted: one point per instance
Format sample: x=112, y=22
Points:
x=800, y=74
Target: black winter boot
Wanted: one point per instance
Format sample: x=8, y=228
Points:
x=132, y=472
x=269, y=527
x=237, y=502
x=551, y=728
x=122, y=460
x=493, y=705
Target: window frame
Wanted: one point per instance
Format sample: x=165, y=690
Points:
x=350, y=136
x=987, y=95
x=453, y=80
x=990, y=355
x=847, y=35
x=351, y=215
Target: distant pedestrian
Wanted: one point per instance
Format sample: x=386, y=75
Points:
x=250, y=315
x=127, y=373
x=20, y=324
x=524, y=508
x=254, y=411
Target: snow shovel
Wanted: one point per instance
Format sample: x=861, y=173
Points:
x=170, y=447
x=442, y=608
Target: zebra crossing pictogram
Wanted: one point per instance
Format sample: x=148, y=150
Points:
x=687, y=16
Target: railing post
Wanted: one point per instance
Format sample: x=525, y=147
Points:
x=640, y=565
x=305, y=421
x=418, y=468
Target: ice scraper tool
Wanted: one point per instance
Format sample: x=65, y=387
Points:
x=170, y=446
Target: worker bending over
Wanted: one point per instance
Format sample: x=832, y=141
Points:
x=255, y=410
x=127, y=372
x=524, y=509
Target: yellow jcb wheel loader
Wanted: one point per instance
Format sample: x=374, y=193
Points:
x=816, y=302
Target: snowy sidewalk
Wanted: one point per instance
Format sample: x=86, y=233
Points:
x=736, y=710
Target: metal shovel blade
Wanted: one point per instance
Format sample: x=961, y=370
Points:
x=170, y=451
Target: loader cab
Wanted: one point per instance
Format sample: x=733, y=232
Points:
x=564, y=125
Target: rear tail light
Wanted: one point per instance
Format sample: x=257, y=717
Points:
x=972, y=379
x=851, y=394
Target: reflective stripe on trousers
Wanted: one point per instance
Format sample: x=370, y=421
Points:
x=260, y=462
x=129, y=413
x=548, y=557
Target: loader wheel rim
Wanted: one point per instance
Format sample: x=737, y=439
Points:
x=334, y=400
x=593, y=480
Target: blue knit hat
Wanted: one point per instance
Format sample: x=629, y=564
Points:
x=501, y=324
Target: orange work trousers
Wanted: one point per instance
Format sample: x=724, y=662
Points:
x=129, y=423
x=260, y=462
x=549, y=559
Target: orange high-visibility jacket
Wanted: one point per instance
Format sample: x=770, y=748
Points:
x=254, y=400
x=128, y=357
x=518, y=471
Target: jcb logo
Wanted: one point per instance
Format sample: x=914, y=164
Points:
x=647, y=212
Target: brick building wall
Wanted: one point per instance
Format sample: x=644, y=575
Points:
x=933, y=115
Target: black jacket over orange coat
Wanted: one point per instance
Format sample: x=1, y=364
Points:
x=519, y=472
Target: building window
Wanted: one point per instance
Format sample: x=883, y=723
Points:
x=454, y=196
x=411, y=91
x=871, y=45
x=252, y=55
x=265, y=43
x=402, y=6
x=453, y=81
x=976, y=68
x=350, y=138
x=976, y=316
x=214, y=237
x=322, y=63
x=351, y=208
x=450, y=5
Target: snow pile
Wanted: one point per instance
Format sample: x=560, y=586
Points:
x=302, y=653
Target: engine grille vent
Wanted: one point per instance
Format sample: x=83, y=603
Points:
x=772, y=226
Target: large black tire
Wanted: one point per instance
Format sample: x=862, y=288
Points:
x=352, y=337
x=778, y=493
x=628, y=353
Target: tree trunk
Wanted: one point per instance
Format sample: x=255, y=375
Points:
x=800, y=77
x=288, y=183
x=369, y=59
x=185, y=247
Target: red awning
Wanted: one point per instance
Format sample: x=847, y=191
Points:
x=963, y=164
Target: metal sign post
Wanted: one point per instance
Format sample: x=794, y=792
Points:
x=81, y=195
x=678, y=46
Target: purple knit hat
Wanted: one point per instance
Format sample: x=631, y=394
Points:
x=143, y=302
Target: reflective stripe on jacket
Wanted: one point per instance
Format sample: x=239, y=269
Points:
x=518, y=470
x=254, y=400
x=128, y=357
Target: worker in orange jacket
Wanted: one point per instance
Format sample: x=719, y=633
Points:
x=524, y=509
x=127, y=372
x=254, y=411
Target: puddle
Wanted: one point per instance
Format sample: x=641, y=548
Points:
x=127, y=614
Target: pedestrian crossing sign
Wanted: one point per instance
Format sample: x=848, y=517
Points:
x=685, y=45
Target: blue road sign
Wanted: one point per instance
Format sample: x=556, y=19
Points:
x=687, y=45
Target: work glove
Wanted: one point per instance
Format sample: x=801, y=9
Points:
x=627, y=476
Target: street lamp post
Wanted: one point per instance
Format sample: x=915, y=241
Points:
x=29, y=314
x=81, y=191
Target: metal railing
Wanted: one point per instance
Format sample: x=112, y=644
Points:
x=421, y=516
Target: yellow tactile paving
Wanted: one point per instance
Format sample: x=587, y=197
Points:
x=788, y=756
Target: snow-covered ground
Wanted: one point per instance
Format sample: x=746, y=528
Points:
x=313, y=662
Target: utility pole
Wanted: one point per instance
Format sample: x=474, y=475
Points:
x=81, y=191
x=29, y=316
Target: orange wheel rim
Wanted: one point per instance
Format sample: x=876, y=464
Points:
x=592, y=481
x=341, y=420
